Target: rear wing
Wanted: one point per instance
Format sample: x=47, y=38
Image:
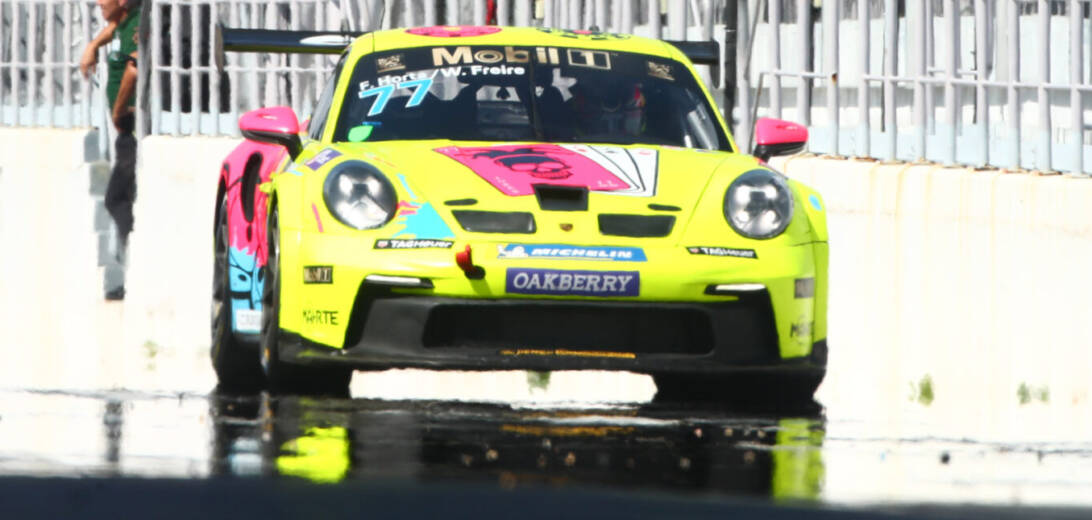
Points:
x=321, y=42
x=227, y=39
x=699, y=52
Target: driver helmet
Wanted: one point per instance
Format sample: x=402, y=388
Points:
x=609, y=108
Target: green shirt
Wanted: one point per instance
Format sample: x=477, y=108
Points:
x=121, y=47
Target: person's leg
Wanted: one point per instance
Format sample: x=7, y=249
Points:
x=121, y=190
x=119, y=198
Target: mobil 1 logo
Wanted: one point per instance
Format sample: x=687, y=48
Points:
x=556, y=282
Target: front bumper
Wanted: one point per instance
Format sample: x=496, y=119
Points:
x=675, y=325
x=389, y=330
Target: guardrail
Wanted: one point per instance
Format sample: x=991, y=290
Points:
x=999, y=83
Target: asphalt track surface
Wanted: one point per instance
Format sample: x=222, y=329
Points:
x=107, y=454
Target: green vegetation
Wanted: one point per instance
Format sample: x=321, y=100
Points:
x=922, y=391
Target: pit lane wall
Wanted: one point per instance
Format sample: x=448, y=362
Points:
x=56, y=251
x=44, y=195
x=972, y=283
x=955, y=285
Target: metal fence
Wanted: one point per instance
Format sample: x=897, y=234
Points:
x=40, y=47
x=978, y=82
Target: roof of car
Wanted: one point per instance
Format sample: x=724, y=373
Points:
x=516, y=36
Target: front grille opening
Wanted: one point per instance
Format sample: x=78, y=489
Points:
x=495, y=221
x=561, y=198
x=544, y=325
x=640, y=226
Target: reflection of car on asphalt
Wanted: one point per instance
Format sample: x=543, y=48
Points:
x=666, y=448
x=515, y=198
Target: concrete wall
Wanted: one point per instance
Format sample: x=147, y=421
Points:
x=170, y=269
x=44, y=263
x=55, y=329
x=973, y=283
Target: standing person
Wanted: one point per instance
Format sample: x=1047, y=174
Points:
x=121, y=32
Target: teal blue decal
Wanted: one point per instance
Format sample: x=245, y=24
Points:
x=418, y=219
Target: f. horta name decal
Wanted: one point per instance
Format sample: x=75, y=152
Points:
x=573, y=283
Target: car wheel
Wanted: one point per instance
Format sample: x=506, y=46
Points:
x=778, y=390
x=281, y=376
x=236, y=364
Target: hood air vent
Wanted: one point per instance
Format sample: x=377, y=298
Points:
x=561, y=198
x=495, y=221
x=639, y=226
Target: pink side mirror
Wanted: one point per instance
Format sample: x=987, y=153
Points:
x=777, y=137
x=274, y=125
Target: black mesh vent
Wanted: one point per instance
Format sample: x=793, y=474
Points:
x=605, y=328
x=495, y=221
x=641, y=226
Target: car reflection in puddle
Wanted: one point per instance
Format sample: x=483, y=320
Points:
x=662, y=446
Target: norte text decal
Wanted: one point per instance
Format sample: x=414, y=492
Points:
x=573, y=283
x=561, y=251
x=319, y=317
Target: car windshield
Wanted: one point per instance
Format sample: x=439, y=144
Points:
x=551, y=94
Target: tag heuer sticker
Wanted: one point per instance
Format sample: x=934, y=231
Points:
x=419, y=243
x=722, y=251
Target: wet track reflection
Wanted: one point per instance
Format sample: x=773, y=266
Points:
x=660, y=446
x=513, y=434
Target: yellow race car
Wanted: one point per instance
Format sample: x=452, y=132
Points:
x=482, y=198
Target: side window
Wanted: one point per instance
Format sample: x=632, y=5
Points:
x=322, y=106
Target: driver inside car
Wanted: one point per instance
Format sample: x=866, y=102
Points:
x=615, y=108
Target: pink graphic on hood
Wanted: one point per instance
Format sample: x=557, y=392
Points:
x=513, y=169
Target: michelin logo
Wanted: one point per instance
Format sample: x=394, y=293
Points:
x=561, y=252
x=573, y=283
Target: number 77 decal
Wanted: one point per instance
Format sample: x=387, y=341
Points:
x=383, y=94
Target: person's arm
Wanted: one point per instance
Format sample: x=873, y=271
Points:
x=125, y=91
x=91, y=52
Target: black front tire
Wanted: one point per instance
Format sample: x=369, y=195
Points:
x=235, y=362
x=283, y=377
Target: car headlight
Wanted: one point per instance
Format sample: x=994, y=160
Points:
x=359, y=195
x=758, y=204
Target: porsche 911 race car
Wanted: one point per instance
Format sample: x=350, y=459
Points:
x=484, y=198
